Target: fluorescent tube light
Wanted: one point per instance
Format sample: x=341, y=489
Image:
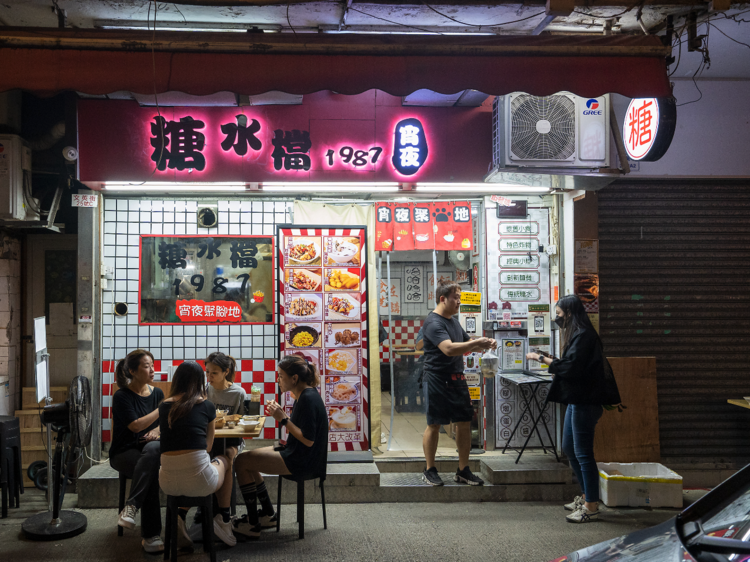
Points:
x=170, y=186
x=480, y=188
x=325, y=187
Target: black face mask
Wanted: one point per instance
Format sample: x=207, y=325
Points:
x=560, y=321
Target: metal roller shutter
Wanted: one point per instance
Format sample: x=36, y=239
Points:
x=674, y=262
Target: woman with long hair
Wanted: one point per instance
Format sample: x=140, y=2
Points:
x=306, y=451
x=135, y=444
x=580, y=382
x=187, y=420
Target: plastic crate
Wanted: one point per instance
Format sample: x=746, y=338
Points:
x=639, y=484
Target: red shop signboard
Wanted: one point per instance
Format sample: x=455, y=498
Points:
x=445, y=225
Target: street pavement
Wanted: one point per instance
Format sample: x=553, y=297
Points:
x=524, y=532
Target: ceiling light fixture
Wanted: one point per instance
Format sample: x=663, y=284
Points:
x=199, y=26
x=480, y=188
x=170, y=186
x=329, y=187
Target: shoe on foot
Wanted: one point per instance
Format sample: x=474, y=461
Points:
x=267, y=521
x=127, y=517
x=183, y=537
x=154, y=544
x=432, y=477
x=466, y=476
x=243, y=527
x=223, y=530
x=575, y=504
x=582, y=515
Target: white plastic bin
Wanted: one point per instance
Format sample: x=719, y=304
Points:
x=638, y=484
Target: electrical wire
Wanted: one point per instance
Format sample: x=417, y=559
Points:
x=727, y=36
x=636, y=5
x=353, y=9
x=289, y=21
x=478, y=25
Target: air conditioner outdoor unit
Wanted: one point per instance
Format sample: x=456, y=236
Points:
x=15, y=169
x=558, y=131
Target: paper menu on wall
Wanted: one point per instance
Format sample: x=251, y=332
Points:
x=513, y=354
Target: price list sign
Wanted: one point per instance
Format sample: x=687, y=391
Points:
x=323, y=319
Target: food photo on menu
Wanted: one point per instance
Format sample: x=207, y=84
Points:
x=303, y=250
x=342, y=280
x=343, y=335
x=303, y=307
x=343, y=418
x=342, y=250
x=342, y=361
x=342, y=306
x=303, y=335
x=309, y=355
x=303, y=279
x=341, y=390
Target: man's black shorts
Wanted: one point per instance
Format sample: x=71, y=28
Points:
x=447, y=400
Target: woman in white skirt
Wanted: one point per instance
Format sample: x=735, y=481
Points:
x=187, y=435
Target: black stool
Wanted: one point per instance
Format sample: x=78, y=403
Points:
x=11, y=477
x=170, y=534
x=300, y=480
x=121, y=504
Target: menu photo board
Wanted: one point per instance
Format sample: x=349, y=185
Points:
x=216, y=279
x=323, y=318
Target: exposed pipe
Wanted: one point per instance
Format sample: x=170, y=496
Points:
x=48, y=139
x=543, y=24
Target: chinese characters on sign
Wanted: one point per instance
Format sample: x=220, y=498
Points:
x=85, y=201
x=409, y=147
x=423, y=226
x=192, y=279
x=392, y=296
x=641, y=125
x=414, y=276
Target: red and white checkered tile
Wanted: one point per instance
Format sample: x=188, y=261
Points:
x=592, y=306
x=258, y=372
x=404, y=333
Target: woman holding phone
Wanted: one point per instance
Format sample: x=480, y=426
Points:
x=187, y=420
x=135, y=444
x=582, y=382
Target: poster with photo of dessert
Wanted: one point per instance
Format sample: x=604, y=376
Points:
x=342, y=390
x=323, y=286
x=303, y=335
x=342, y=306
x=341, y=334
x=303, y=251
x=342, y=250
x=308, y=279
x=343, y=418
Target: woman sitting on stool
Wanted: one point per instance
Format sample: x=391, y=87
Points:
x=187, y=434
x=135, y=444
x=306, y=451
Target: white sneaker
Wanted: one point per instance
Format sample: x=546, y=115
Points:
x=575, y=504
x=127, y=517
x=223, y=530
x=582, y=515
x=242, y=527
x=154, y=544
x=183, y=537
x=267, y=521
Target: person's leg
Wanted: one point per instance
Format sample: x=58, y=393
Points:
x=584, y=422
x=151, y=509
x=568, y=447
x=224, y=493
x=125, y=464
x=248, y=467
x=430, y=444
x=463, y=442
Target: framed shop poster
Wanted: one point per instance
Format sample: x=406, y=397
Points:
x=322, y=281
x=215, y=279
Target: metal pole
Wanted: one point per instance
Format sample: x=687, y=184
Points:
x=434, y=273
x=390, y=349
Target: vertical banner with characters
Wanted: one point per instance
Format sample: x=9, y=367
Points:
x=446, y=225
x=323, y=319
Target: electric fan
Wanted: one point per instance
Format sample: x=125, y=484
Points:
x=72, y=422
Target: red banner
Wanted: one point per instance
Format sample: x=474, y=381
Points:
x=444, y=225
x=216, y=311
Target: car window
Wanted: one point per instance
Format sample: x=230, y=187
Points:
x=734, y=514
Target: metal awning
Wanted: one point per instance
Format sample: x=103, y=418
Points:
x=47, y=61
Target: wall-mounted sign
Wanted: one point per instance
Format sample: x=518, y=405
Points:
x=423, y=226
x=206, y=279
x=414, y=281
x=587, y=256
x=510, y=228
x=649, y=127
x=470, y=298
x=390, y=296
x=519, y=260
x=519, y=277
x=519, y=245
x=409, y=146
x=84, y=200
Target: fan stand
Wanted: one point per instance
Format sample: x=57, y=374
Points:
x=56, y=524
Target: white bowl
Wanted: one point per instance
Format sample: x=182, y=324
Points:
x=306, y=243
x=341, y=258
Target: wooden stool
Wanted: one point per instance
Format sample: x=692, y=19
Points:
x=170, y=534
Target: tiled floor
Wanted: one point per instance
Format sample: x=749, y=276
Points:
x=408, y=428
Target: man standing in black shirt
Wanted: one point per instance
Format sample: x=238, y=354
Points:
x=448, y=400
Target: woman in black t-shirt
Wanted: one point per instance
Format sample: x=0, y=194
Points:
x=306, y=451
x=135, y=444
x=187, y=434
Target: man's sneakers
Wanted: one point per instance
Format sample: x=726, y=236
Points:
x=582, y=515
x=432, y=477
x=243, y=527
x=575, y=504
x=466, y=476
x=152, y=545
x=127, y=517
x=223, y=530
x=267, y=521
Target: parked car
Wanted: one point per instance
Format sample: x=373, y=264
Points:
x=716, y=528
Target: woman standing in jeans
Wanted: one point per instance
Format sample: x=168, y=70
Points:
x=580, y=382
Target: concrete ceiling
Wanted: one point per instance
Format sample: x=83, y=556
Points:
x=729, y=57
